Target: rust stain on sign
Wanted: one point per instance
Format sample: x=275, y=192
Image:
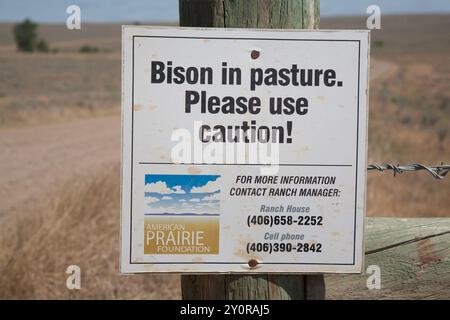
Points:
x=138, y=107
x=194, y=170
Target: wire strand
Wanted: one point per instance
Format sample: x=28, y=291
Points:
x=438, y=171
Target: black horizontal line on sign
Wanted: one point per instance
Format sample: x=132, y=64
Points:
x=253, y=164
x=246, y=262
x=233, y=38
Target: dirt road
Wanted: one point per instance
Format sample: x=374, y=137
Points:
x=35, y=161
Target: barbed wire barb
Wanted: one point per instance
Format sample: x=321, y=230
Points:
x=438, y=171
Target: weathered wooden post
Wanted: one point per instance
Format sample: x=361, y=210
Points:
x=286, y=14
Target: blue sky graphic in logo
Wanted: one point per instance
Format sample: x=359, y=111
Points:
x=182, y=194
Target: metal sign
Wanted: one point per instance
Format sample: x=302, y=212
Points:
x=243, y=150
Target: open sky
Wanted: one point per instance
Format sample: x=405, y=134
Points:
x=182, y=194
x=54, y=11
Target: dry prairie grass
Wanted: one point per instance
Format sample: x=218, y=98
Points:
x=42, y=88
x=409, y=123
x=79, y=226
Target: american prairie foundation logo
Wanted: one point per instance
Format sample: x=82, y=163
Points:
x=182, y=214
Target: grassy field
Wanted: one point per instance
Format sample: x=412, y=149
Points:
x=79, y=222
x=63, y=84
x=409, y=119
x=80, y=226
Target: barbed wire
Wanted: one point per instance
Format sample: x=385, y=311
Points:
x=438, y=171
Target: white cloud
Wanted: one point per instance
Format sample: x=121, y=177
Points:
x=158, y=187
x=182, y=200
x=212, y=197
x=205, y=204
x=178, y=190
x=211, y=186
x=162, y=188
x=166, y=198
x=194, y=200
x=151, y=200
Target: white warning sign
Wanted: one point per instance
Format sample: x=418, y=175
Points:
x=243, y=150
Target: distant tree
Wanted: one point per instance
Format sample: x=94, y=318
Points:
x=42, y=46
x=25, y=35
x=88, y=49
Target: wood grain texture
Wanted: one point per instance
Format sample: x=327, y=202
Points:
x=270, y=14
x=286, y=14
x=246, y=287
x=413, y=256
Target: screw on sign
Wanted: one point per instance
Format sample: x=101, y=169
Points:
x=255, y=54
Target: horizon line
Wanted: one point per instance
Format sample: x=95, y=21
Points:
x=168, y=21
